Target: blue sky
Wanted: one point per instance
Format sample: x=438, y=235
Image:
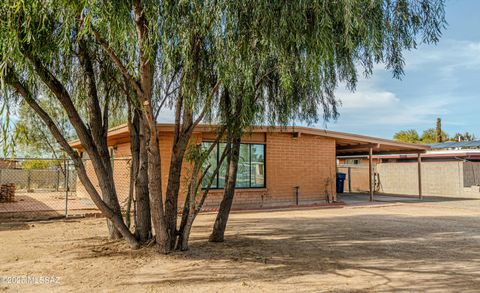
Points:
x=440, y=81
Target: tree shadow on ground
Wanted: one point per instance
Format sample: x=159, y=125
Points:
x=14, y=226
x=395, y=252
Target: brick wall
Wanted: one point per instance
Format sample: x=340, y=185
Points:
x=121, y=169
x=307, y=162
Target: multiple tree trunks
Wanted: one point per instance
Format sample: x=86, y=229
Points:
x=7, y=192
x=218, y=232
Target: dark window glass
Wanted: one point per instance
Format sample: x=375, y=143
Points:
x=243, y=172
x=223, y=168
x=257, y=165
x=251, y=166
x=212, y=161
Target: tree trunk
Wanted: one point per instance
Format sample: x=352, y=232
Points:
x=220, y=225
x=99, y=162
x=191, y=207
x=133, y=128
x=190, y=216
x=155, y=188
x=143, y=228
x=139, y=176
x=173, y=186
x=114, y=216
x=100, y=151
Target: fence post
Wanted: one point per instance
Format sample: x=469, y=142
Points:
x=58, y=180
x=29, y=180
x=65, y=167
x=349, y=179
x=0, y=176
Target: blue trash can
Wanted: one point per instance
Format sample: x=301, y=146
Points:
x=340, y=181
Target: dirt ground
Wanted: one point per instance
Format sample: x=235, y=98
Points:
x=393, y=247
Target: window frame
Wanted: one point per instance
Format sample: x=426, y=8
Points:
x=217, y=179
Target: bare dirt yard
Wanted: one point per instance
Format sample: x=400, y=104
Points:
x=381, y=248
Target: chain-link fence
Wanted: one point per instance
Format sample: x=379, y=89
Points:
x=33, y=189
x=121, y=176
x=36, y=188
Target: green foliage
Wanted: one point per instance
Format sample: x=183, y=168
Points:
x=297, y=52
x=40, y=164
x=430, y=136
x=438, y=131
x=196, y=153
x=467, y=136
x=49, y=31
x=410, y=135
x=33, y=137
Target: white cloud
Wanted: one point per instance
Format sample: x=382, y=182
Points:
x=366, y=98
x=371, y=104
x=438, y=80
x=449, y=56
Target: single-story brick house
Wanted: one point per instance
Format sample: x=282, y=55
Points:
x=275, y=162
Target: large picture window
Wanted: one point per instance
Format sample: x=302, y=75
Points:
x=251, y=166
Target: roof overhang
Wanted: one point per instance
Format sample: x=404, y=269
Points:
x=353, y=145
x=347, y=144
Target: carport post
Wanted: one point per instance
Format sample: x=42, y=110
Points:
x=370, y=173
x=350, y=179
x=420, y=196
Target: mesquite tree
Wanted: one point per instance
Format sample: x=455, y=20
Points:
x=171, y=39
x=295, y=53
x=128, y=33
x=44, y=53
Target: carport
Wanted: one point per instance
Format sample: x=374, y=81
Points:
x=365, y=146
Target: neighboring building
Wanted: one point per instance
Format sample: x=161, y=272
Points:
x=8, y=164
x=456, y=145
x=274, y=160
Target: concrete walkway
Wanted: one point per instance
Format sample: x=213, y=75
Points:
x=362, y=199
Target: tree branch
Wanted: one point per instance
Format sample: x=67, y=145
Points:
x=22, y=90
x=93, y=104
x=207, y=104
x=64, y=98
x=13, y=81
x=118, y=63
x=146, y=68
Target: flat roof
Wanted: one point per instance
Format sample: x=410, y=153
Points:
x=346, y=143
